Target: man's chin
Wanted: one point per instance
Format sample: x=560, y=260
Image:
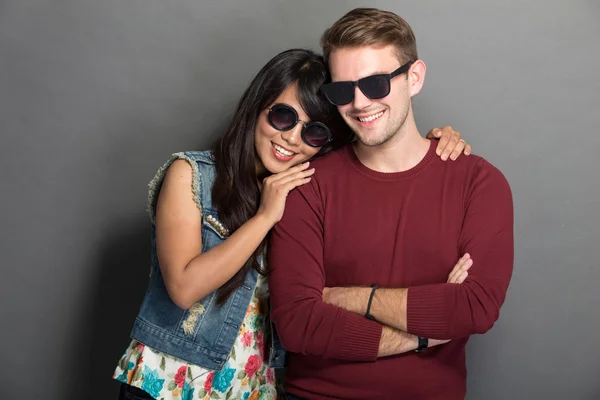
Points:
x=369, y=140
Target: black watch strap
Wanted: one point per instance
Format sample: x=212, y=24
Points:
x=422, y=345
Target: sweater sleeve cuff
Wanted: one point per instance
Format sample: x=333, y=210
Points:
x=426, y=313
x=359, y=339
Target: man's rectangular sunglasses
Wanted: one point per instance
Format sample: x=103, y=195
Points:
x=284, y=117
x=374, y=87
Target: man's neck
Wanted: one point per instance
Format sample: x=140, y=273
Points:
x=401, y=153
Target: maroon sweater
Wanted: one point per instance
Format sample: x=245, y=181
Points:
x=352, y=226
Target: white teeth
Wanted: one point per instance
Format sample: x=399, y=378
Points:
x=282, y=151
x=371, y=118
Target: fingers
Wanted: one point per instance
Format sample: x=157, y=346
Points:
x=290, y=171
x=448, y=142
x=460, y=146
x=468, y=149
x=281, y=182
x=285, y=184
x=444, y=138
x=458, y=268
x=288, y=187
x=460, y=271
x=435, y=133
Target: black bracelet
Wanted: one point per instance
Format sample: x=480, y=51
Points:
x=368, y=313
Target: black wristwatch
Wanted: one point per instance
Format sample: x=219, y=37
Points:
x=423, y=344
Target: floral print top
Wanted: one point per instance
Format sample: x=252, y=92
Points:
x=244, y=377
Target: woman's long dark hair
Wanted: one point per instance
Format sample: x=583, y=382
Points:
x=235, y=192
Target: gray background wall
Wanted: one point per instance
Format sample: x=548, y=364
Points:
x=95, y=95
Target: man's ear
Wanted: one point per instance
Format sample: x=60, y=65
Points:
x=416, y=77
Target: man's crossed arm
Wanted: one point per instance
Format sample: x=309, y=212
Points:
x=386, y=306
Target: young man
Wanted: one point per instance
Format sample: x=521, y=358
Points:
x=360, y=261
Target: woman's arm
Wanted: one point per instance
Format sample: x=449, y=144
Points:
x=189, y=274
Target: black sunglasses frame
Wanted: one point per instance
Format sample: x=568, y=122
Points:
x=305, y=126
x=388, y=77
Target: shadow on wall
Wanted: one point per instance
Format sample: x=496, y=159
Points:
x=120, y=275
x=117, y=293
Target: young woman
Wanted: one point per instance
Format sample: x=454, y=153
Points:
x=203, y=331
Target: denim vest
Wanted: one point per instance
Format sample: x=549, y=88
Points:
x=205, y=333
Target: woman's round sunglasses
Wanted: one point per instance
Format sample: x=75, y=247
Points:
x=284, y=117
x=374, y=87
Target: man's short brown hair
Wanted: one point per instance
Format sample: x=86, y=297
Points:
x=371, y=27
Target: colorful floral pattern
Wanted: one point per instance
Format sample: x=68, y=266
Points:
x=244, y=377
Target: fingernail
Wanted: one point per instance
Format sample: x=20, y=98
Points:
x=444, y=157
x=453, y=157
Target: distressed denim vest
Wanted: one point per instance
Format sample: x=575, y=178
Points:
x=205, y=333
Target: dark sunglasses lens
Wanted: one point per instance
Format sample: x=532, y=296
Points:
x=375, y=87
x=282, y=117
x=316, y=134
x=339, y=93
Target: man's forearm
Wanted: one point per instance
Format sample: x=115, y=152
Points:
x=394, y=341
x=355, y=299
x=388, y=305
